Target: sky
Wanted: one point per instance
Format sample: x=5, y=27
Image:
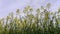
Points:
x=7, y=6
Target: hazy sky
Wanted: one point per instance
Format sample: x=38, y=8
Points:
x=7, y=6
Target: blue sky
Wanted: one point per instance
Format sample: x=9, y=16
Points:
x=7, y=6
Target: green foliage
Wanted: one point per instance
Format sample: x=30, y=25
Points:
x=40, y=23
